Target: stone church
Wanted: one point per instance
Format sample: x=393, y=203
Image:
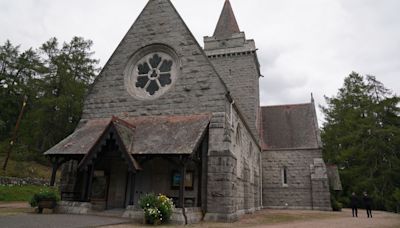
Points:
x=168, y=116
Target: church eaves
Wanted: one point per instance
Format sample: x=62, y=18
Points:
x=227, y=24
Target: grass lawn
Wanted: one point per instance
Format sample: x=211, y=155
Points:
x=25, y=169
x=21, y=193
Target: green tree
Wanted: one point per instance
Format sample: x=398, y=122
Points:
x=18, y=71
x=57, y=108
x=55, y=79
x=361, y=134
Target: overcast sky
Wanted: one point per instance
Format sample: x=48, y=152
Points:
x=304, y=46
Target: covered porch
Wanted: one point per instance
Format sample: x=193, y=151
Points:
x=128, y=158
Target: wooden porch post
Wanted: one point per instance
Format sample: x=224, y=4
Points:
x=90, y=182
x=182, y=189
x=132, y=195
x=204, y=174
x=53, y=172
x=182, y=186
x=56, y=163
x=84, y=185
x=130, y=189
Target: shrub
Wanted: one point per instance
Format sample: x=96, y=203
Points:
x=336, y=205
x=43, y=195
x=157, y=209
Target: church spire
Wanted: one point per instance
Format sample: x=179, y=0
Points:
x=227, y=24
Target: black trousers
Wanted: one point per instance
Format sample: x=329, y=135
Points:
x=369, y=211
x=354, y=211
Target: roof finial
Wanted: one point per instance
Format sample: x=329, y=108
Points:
x=227, y=24
x=312, y=98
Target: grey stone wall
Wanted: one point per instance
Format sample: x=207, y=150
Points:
x=247, y=154
x=70, y=207
x=198, y=89
x=303, y=191
x=240, y=72
x=320, y=185
x=233, y=169
x=23, y=181
x=221, y=194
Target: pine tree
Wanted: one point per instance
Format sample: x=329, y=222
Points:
x=55, y=79
x=361, y=134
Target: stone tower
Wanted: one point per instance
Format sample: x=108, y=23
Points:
x=235, y=59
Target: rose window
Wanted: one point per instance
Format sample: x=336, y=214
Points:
x=151, y=72
x=154, y=73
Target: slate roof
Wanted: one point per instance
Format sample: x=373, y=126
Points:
x=151, y=135
x=227, y=24
x=290, y=127
x=124, y=133
x=82, y=140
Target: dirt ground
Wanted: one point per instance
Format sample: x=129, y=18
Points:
x=301, y=219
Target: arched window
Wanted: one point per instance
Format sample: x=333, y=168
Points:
x=238, y=135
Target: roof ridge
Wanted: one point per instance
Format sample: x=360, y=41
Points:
x=283, y=105
x=227, y=24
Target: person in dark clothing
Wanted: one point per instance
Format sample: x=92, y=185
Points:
x=354, y=204
x=367, y=204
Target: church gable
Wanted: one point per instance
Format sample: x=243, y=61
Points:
x=157, y=69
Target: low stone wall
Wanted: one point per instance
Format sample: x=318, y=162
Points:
x=193, y=215
x=23, y=181
x=79, y=208
x=134, y=213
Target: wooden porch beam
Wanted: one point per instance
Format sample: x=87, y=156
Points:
x=182, y=188
x=56, y=163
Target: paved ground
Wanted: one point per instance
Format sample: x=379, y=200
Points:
x=19, y=214
x=56, y=220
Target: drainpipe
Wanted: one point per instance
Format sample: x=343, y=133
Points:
x=311, y=187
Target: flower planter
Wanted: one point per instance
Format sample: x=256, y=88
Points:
x=49, y=204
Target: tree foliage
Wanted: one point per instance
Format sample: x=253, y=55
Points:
x=361, y=134
x=55, y=78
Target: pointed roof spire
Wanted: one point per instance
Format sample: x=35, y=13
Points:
x=227, y=24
